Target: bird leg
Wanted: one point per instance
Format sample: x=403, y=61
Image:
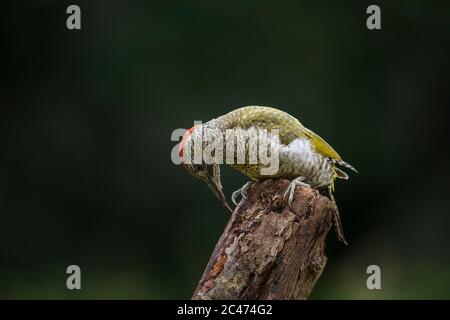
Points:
x=241, y=192
x=291, y=189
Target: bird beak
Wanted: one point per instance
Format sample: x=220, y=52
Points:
x=213, y=182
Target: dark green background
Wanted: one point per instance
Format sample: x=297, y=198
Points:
x=86, y=118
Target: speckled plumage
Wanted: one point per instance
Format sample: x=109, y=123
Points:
x=302, y=152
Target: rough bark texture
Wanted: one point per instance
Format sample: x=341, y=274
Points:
x=269, y=250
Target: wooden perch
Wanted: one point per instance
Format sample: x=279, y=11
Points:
x=269, y=250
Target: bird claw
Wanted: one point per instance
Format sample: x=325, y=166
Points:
x=291, y=189
x=241, y=192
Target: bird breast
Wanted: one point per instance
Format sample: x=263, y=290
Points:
x=300, y=159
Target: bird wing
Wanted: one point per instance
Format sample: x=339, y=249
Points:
x=289, y=127
x=321, y=145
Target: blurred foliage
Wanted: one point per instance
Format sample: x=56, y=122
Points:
x=86, y=118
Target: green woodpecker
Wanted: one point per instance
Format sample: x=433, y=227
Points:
x=300, y=155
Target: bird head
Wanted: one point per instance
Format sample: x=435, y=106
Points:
x=209, y=173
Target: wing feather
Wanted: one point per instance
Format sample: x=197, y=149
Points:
x=268, y=118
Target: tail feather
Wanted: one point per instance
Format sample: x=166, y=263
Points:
x=340, y=174
x=337, y=219
x=345, y=164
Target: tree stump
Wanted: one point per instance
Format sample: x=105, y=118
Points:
x=269, y=250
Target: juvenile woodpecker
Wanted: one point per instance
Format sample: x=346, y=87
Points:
x=301, y=155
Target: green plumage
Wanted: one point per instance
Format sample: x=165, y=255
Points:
x=270, y=118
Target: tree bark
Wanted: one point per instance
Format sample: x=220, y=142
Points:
x=269, y=250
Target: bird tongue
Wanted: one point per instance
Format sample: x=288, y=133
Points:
x=213, y=181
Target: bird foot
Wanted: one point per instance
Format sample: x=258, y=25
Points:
x=241, y=192
x=291, y=189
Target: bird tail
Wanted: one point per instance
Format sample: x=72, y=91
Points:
x=338, y=173
x=345, y=164
x=336, y=218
